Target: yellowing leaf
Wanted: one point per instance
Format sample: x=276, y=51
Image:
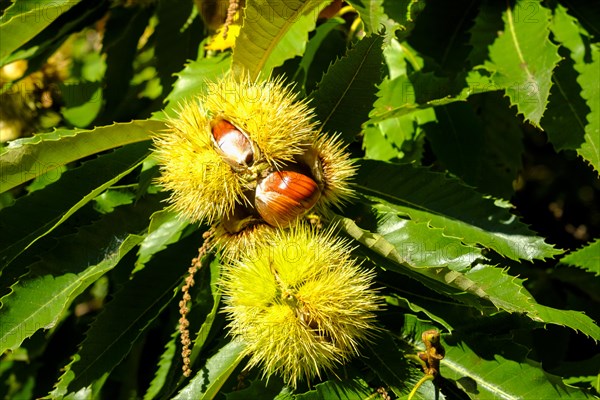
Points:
x=220, y=43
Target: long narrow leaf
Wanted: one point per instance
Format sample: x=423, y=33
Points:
x=272, y=32
x=445, y=203
x=129, y=314
x=25, y=159
x=29, y=219
x=24, y=19
x=346, y=93
x=209, y=380
x=39, y=300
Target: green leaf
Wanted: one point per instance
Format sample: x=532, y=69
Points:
x=482, y=145
x=272, y=32
x=523, y=58
x=508, y=293
x=371, y=13
x=397, y=138
x=82, y=102
x=346, y=93
x=484, y=31
x=76, y=188
x=27, y=158
x=437, y=310
x=397, y=97
x=24, y=19
x=355, y=389
x=209, y=380
x=440, y=279
x=130, y=312
x=388, y=361
x=576, y=372
x=491, y=284
x=124, y=28
x=394, y=55
x=107, y=201
x=488, y=283
x=176, y=40
x=446, y=203
x=583, y=133
x=39, y=300
x=165, y=228
x=387, y=357
x=43, y=45
x=421, y=245
x=588, y=258
x=499, y=377
x=258, y=389
x=565, y=119
x=404, y=13
x=294, y=42
x=193, y=80
x=44, y=180
x=421, y=90
x=164, y=367
x=309, y=63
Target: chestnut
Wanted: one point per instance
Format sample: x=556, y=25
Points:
x=283, y=196
x=235, y=147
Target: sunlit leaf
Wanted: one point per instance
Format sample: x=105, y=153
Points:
x=82, y=102
x=587, y=257
x=523, y=58
x=209, y=380
x=357, y=73
x=129, y=313
x=165, y=228
x=24, y=19
x=485, y=378
x=164, y=367
x=508, y=293
x=398, y=137
x=272, y=32
x=422, y=245
x=583, y=130
x=445, y=203
x=27, y=158
x=63, y=273
x=84, y=184
x=193, y=80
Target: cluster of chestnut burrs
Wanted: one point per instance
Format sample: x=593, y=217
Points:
x=247, y=154
x=247, y=158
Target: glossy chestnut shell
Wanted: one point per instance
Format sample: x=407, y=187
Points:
x=283, y=196
x=235, y=147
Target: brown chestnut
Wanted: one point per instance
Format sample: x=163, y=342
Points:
x=283, y=196
x=232, y=143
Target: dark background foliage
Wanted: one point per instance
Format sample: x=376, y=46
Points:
x=476, y=129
